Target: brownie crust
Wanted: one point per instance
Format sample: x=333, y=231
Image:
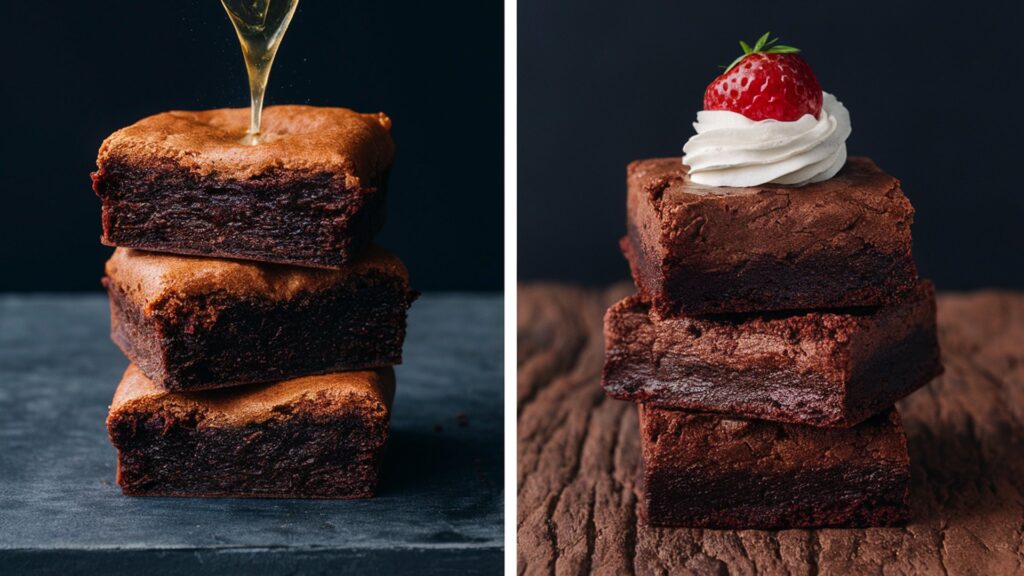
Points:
x=315, y=437
x=698, y=250
x=199, y=323
x=311, y=193
x=826, y=369
x=705, y=471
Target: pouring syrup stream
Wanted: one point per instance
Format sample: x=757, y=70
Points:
x=260, y=25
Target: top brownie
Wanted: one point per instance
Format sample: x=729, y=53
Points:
x=310, y=193
x=697, y=250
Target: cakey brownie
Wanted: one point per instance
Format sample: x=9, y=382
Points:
x=699, y=250
x=313, y=437
x=706, y=471
x=829, y=369
x=194, y=323
x=311, y=193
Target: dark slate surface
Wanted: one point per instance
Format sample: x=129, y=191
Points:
x=439, y=510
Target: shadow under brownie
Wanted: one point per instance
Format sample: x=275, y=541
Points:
x=194, y=323
x=706, y=471
x=312, y=437
x=819, y=368
x=699, y=250
x=310, y=193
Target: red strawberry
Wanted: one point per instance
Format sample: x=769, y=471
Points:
x=767, y=81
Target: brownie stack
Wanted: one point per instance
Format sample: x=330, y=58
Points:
x=773, y=330
x=260, y=320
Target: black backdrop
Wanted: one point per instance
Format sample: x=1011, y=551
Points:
x=934, y=95
x=76, y=71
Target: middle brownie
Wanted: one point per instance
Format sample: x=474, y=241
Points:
x=196, y=323
x=826, y=369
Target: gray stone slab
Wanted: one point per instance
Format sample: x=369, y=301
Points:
x=441, y=498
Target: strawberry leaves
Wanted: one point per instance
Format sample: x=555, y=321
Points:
x=762, y=46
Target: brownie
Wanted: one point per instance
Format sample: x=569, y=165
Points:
x=193, y=323
x=699, y=250
x=312, y=437
x=311, y=193
x=707, y=471
x=828, y=369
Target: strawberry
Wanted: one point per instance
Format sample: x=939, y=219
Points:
x=768, y=81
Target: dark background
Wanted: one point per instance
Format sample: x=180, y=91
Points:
x=76, y=71
x=934, y=95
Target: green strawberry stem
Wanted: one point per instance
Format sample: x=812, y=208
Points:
x=762, y=46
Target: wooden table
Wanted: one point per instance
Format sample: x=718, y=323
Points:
x=439, y=511
x=579, y=460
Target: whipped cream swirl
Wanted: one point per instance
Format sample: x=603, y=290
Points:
x=732, y=150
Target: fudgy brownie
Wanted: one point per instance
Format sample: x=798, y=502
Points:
x=310, y=193
x=702, y=470
x=830, y=369
x=312, y=437
x=699, y=250
x=193, y=323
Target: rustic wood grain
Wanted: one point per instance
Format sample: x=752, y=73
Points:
x=579, y=460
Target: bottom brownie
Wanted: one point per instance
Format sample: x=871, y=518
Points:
x=706, y=471
x=313, y=437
